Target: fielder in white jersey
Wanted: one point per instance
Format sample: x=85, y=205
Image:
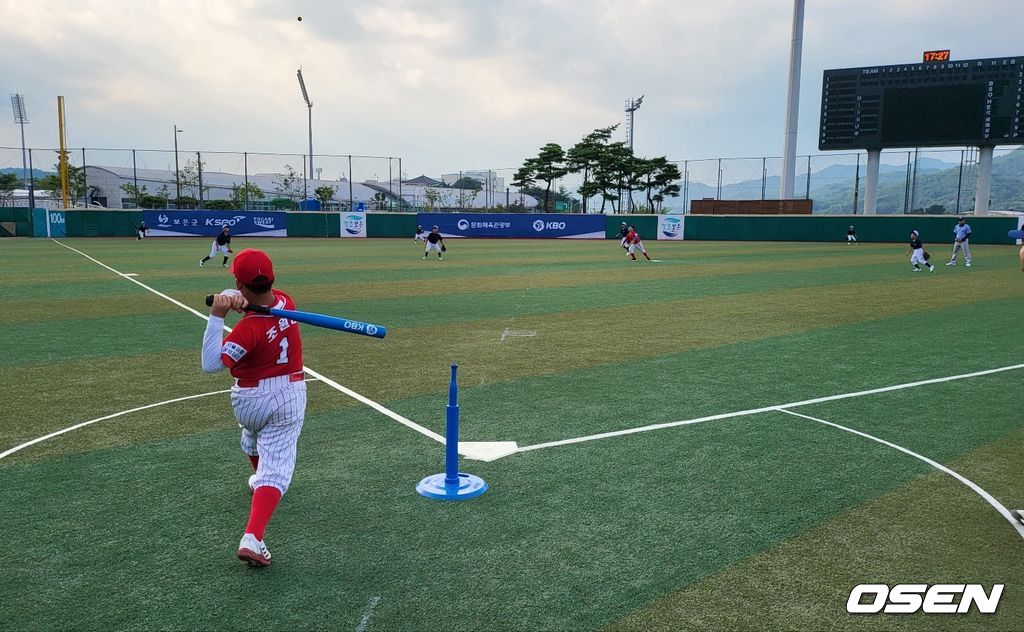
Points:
x=264, y=354
x=221, y=244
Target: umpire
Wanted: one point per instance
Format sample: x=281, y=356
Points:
x=962, y=235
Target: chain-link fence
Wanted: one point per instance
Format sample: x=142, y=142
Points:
x=915, y=181
x=140, y=178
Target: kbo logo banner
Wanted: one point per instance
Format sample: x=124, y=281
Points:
x=210, y=223
x=515, y=225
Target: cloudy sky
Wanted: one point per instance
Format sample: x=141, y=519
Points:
x=455, y=84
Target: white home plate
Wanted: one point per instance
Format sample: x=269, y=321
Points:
x=487, y=450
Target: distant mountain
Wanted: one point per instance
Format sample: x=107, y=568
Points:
x=937, y=184
x=23, y=174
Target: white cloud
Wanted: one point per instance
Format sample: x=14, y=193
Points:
x=456, y=84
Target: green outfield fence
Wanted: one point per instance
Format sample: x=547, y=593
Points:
x=15, y=222
x=876, y=228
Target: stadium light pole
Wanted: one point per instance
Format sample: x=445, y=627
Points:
x=177, y=171
x=632, y=105
x=792, y=103
x=309, y=107
x=21, y=118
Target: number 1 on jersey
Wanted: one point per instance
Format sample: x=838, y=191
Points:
x=283, y=358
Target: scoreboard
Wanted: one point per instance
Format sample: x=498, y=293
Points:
x=939, y=103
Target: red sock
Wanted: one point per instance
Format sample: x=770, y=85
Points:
x=648, y=256
x=255, y=460
x=264, y=501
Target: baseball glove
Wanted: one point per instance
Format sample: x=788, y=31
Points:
x=927, y=255
x=230, y=250
x=444, y=248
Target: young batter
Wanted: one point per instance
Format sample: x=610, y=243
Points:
x=221, y=244
x=264, y=354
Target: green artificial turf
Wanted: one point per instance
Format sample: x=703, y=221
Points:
x=758, y=521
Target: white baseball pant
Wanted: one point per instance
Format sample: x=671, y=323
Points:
x=271, y=417
x=637, y=246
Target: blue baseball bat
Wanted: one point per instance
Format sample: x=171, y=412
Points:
x=318, y=320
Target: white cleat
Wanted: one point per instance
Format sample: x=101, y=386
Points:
x=252, y=551
x=967, y=265
x=951, y=263
x=931, y=269
x=916, y=269
x=201, y=262
x=252, y=483
x=1019, y=515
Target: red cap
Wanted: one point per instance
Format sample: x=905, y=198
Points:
x=251, y=264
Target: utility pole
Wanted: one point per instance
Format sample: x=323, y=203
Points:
x=177, y=171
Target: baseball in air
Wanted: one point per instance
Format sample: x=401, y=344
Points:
x=300, y=18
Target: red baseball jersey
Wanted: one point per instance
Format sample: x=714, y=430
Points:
x=262, y=346
x=633, y=237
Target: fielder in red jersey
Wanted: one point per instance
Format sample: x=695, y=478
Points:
x=264, y=354
x=633, y=243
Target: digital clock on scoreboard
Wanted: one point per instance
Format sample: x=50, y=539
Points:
x=937, y=104
x=936, y=55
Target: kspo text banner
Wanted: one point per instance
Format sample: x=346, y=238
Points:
x=210, y=223
x=515, y=225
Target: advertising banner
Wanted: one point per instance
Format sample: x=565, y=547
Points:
x=209, y=223
x=48, y=223
x=353, y=224
x=515, y=225
x=671, y=227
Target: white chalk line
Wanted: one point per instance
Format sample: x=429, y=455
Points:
x=326, y=380
x=765, y=409
x=17, y=448
x=365, y=621
x=27, y=444
x=998, y=506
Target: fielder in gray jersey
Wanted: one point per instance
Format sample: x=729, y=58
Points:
x=961, y=234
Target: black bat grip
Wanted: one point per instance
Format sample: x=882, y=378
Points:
x=262, y=309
